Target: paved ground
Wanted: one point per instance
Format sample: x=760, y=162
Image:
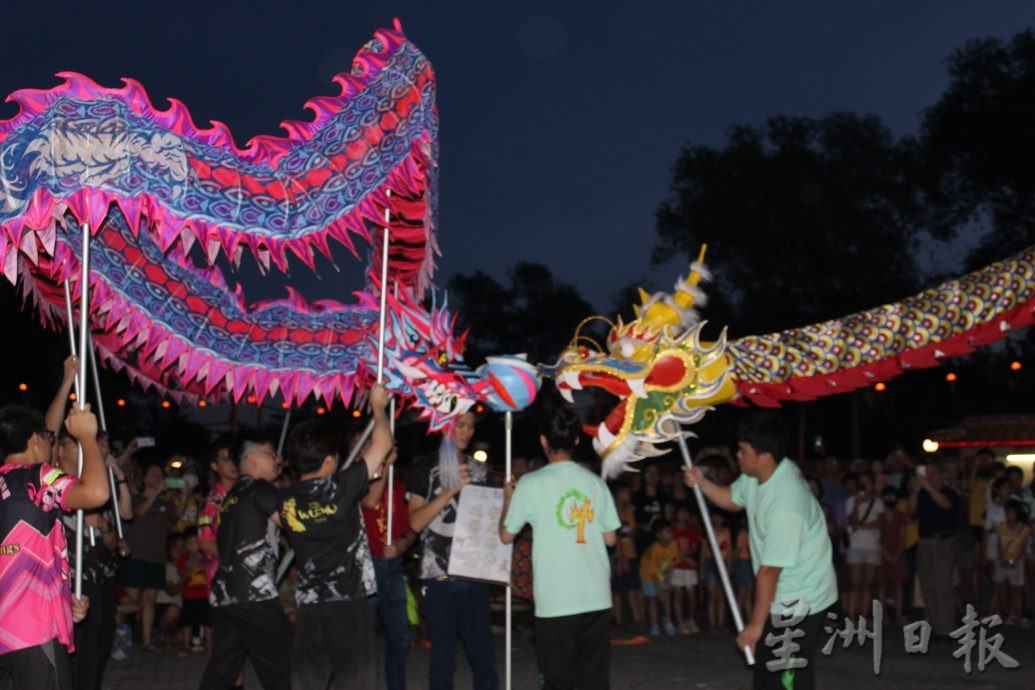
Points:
x=700, y=661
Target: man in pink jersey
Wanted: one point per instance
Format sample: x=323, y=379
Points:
x=35, y=592
x=208, y=522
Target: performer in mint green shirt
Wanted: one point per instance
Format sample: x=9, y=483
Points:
x=790, y=551
x=574, y=520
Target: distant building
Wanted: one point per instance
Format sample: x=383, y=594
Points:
x=1010, y=437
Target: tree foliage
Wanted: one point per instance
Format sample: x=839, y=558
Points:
x=535, y=314
x=978, y=144
x=806, y=219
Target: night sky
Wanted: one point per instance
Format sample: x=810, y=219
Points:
x=559, y=120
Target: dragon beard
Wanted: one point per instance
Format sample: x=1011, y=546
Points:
x=448, y=464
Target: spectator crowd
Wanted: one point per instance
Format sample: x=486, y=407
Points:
x=923, y=538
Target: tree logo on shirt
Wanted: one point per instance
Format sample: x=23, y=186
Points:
x=574, y=511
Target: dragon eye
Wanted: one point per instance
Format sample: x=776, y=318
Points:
x=442, y=359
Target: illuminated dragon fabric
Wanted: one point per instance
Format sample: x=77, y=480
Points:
x=664, y=376
x=172, y=207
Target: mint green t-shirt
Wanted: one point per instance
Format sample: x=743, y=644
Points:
x=787, y=530
x=570, y=509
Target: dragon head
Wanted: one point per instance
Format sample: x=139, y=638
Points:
x=424, y=360
x=657, y=366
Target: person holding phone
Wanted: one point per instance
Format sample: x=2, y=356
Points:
x=938, y=510
x=143, y=575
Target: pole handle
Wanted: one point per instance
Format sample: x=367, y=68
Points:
x=720, y=564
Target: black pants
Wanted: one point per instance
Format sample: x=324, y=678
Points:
x=575, y=651
x=334, y=647
x=784, y=678
x=459, y=608
x=94, y=636
x=256, y=631
x=43, y=667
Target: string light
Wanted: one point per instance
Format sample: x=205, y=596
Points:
x=166, y=404
x=202, y=403
x=880, y=387
x=321, y=410
x=120, y=402
x=950, y=377
x=1015, y=366
x=23, y=387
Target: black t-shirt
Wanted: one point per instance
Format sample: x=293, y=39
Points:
x=323, y=522
x=935, y=521
x=146, y=534
x=437, y=539
x=247, y=544
x=649, y=507
x=98, y=560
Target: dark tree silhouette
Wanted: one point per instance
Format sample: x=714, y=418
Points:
x=806, y=219
x=978, y=144
x=535, y=314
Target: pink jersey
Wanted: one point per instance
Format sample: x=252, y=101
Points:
x=35, y=596
x=208, y=523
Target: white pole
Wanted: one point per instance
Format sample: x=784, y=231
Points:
x=508, y=422
x=384, y=295
x=283, y=433
x=80, y=398
x=380, y=337
x=717, y=555
x=103, y=419
x=360, y=442
x=390, y=477
x=78, y=389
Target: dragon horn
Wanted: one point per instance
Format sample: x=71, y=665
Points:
x=709, y=354
x=660, y=310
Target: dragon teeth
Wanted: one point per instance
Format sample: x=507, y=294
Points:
x=572, y=379
x=605, y=436
x=636, y=386
x=566, y=394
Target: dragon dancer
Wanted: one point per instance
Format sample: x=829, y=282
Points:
x=790, y=552
x=574, y=521
x=334, y=645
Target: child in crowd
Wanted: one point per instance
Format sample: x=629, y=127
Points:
x=716, y=598
x=684, y=573
x=625, y=578
x=893, y=571
x=169, y=601
x=193, y=568
x=995, y=515
x=655, y=570
x=1013, y=536
x=743, y=575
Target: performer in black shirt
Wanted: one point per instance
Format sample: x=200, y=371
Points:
x=334, y=640
x=247, y=618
